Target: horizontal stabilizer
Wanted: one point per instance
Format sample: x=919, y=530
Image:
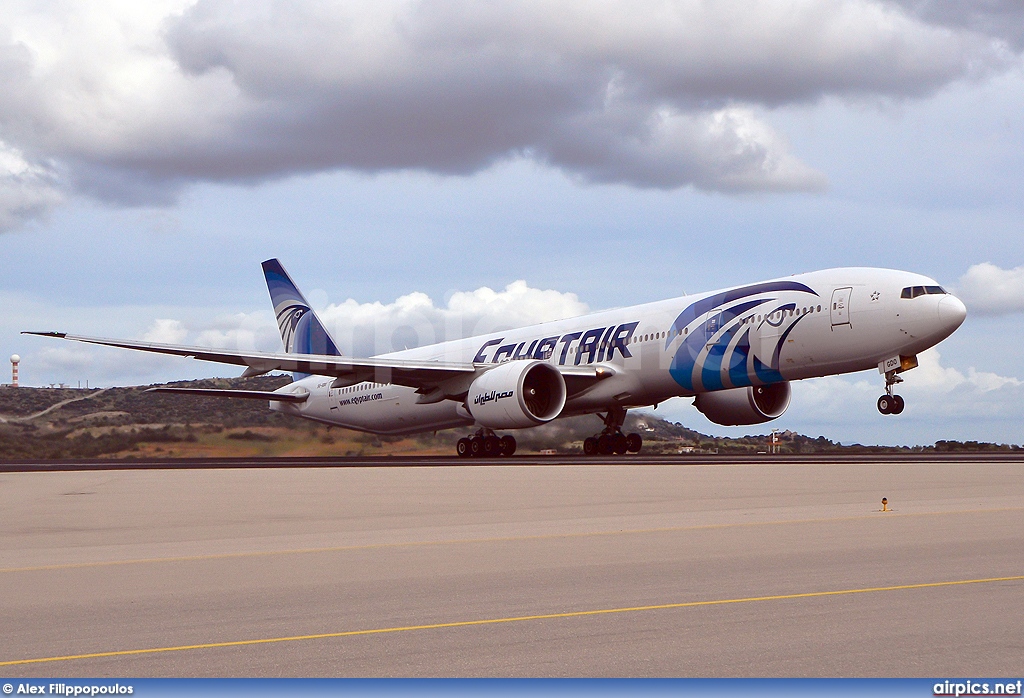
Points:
x=245, y=394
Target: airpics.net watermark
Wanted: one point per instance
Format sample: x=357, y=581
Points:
x=69, y=690
x=966, y=687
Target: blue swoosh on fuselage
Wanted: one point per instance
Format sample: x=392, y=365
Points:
x=692, y=372
x=695, y=310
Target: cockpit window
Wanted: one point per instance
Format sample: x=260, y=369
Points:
x=915, y=291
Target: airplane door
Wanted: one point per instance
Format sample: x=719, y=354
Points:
x=841, y=306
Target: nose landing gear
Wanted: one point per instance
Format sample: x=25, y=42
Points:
x=889, y=403
x=611, y=439
x=485, y=444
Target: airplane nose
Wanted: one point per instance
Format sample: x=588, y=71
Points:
x=952, y=312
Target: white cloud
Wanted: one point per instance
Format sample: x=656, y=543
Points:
x=132, y=101
x=248, y=331
x=414, y=320
x=932, y=377
x=989, y=290
x=166, y=332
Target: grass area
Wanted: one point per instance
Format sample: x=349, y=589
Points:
x=280, y=441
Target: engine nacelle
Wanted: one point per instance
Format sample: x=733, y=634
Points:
x=517, y=394
x=737, y=406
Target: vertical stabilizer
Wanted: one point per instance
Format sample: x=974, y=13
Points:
x=301, y=330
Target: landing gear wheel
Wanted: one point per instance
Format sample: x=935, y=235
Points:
x=619, y=444
x=492, y=446
x=476, y=447
x=633, y=443
x=508, y=445
x=889, y=403
x=604, y=444
x=885, y=404
x=590, y=446
x=462, y=448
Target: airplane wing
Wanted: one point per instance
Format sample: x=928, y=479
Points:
x=415, y=374
x=439, y=379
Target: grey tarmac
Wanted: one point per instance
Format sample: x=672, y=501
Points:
x=628, y=567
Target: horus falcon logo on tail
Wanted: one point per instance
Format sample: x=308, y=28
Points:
x=301, y=330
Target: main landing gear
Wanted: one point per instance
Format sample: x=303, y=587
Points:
x=485, y=444
x=611, y=439
x=889, y=403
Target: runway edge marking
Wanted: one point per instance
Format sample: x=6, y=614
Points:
x=514, y=619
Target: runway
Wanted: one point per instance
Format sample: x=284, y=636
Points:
x=632, y=567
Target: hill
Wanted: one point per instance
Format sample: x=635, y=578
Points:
x=50, y=423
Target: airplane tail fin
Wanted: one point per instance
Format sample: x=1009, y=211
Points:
x=301, y=330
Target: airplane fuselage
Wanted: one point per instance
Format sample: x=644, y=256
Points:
x=803, y=326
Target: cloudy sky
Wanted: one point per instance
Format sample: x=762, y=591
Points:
x=426, y=170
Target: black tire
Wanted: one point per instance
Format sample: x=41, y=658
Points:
x=619, y=444
x=604, y=445
x=508, y=445
x=897, y=404
x=492, y=446
x=476, y=447
x=885, y=404
x=462, y=448
x=633, y=443
x=590, y=446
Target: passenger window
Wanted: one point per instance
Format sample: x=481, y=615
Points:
x=819, y=308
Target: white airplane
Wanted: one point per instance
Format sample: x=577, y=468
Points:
x=734, y=351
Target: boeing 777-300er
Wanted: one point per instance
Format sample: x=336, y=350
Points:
x=735, y=351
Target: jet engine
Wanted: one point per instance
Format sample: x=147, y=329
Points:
x=737, y=406
x=517, y=394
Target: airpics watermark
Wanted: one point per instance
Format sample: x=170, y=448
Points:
x=967, y=687
x=70, y=690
